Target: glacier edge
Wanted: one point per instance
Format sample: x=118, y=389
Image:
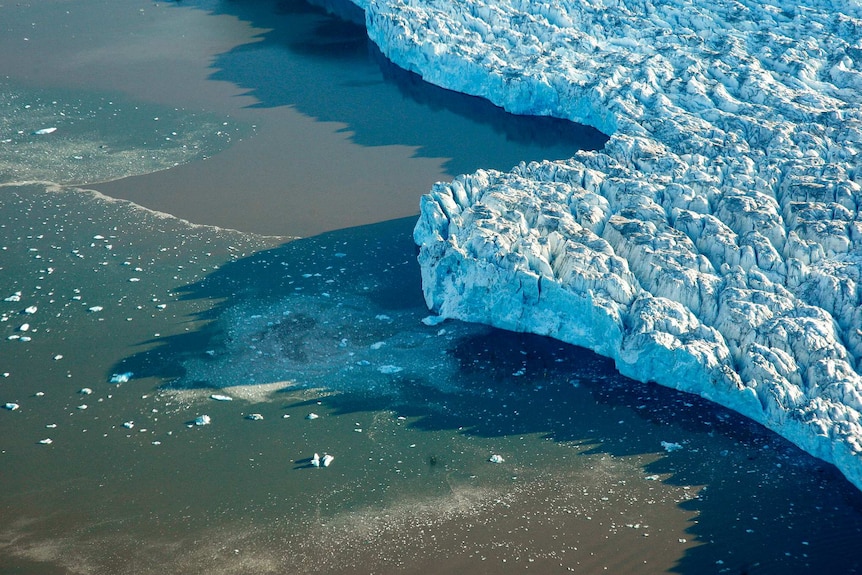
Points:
x=714, y=245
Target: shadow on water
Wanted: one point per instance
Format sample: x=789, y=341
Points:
x=308, y=54
x=762, y=506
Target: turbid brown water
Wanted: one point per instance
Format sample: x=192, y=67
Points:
x=598, y=472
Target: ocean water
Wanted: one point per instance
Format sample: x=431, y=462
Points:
x=598, y=472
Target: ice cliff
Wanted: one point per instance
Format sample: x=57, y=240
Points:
x=714, y=245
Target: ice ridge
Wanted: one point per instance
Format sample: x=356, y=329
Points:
x=714, y=244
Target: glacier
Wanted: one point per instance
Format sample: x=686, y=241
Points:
x=714, y=244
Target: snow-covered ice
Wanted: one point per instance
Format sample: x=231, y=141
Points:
x=714, y=245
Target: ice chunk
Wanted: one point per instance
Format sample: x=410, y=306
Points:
x=203, y=420
x=14, y=297
x=121, y=377
x=46, y=441
x=95, y=308
x=312, y=416
x=670, y=447
x=219, y=397
x=496, y=459
x=31, y=310
x=129, y=424
x=389, y=369
x=254, y=416
x=315, y=461
x=24, y=327
x=44, y=131
x=11, y=406
x=326, y=460
x=85, y=391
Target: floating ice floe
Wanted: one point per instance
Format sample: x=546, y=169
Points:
x=254, y=416
x=312, y=416
x=219, y=397
x=83, y=406
x=670, y=447
x=30, y=310
x=85, y=391
x=129, y=424
x=496, y=459
x=11, y=406
x=203, y=420
x=14, y=297
x=95, y=308
x=389, y=369
x=24, y=327
x=121, y=377
x=58, y=357
x=44, y=131
x=46, y=441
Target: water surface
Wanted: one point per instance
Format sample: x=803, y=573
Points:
x=202, y=110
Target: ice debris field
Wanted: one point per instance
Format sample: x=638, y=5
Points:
x=714, y=244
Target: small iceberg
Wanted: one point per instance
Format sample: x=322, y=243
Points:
x=254, y=416
x=121, y=377
x=46, y=441
x=95, y=308
x=129, y=424
x=31, y=310
x=44, y=131
x=85, y=391
x=496, y=459
x=324, y=461
x=671, y=447
x=312, y=416
x=219, y=397
x=203, y=420
x=11, y=406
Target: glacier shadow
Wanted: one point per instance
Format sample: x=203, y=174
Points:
x=325, y=67
x=762, y=504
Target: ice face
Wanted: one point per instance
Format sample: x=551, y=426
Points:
x=714, y=244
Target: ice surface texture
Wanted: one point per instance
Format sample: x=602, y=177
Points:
x=714, y=245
